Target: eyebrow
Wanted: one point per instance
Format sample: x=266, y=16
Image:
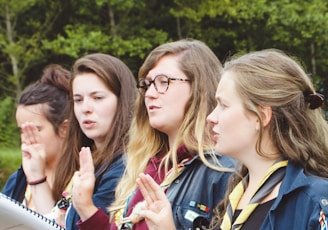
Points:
x=92, y=93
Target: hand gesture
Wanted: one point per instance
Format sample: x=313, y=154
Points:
x=83, y=185
x=157, y=211
x=33, y=152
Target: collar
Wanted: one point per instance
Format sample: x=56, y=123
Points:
x=295, y=178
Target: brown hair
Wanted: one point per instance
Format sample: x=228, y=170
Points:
x=119, y=79
x=52, y=92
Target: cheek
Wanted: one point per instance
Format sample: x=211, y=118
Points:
x=77, y=113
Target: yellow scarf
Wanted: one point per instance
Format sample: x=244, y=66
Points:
x=274, y=175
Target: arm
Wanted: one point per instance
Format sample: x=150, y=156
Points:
x=34, y=165
x=157, y=211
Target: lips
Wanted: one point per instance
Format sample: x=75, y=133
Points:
x=215, y=135
x=152, y=107
x=88, y=124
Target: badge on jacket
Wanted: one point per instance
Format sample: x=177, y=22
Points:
x=323, y=221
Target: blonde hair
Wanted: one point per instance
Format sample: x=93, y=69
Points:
x=202, y=67
x=300, y=133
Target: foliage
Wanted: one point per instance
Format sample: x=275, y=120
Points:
x=34, y=33
x=9, y=135
x=10, y=160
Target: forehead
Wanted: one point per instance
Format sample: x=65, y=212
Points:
x=167, y=65
x=227, y=83
x=30, y=113
x=88, y=82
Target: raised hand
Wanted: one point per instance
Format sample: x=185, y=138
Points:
x=83, y=185
x=157, y=211
x=33, y=152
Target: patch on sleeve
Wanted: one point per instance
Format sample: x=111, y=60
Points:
x=323, y=221
x=191, y=215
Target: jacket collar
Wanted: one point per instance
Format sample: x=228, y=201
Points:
x=295, y=178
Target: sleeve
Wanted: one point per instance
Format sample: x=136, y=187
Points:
x=104, y=193
x=16, y=185
x=318, y=219
x=99, y=220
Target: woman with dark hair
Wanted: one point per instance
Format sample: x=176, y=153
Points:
x=41, y=115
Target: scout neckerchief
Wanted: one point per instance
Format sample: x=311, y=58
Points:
x=274, y=175
x=171, y=175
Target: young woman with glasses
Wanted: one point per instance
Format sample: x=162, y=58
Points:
x=170, y=141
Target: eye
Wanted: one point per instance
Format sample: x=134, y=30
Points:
x=163, y=80
x=143, y=83
x=77, y=99
x=98, y=97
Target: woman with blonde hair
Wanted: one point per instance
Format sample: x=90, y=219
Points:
x=268, y=117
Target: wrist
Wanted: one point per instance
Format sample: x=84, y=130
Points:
x=36, y=182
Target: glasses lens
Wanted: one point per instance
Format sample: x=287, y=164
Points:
x=162, y=83
x=143, y=85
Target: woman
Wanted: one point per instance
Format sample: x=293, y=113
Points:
x=268, y=104
x=170, y=140
x=103, y=93
x=268, y=117
x=41, y=115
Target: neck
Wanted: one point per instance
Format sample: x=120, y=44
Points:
x=257, y=169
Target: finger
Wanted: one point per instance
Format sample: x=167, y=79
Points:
x=144, y=191
x=31, y=133
x=86, y=161
x=25, y=151
x=156, y=191
x=150, y=190
x=149, y=216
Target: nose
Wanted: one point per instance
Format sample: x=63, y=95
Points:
x=212, y=117
x=86, y=106
x=151, y=91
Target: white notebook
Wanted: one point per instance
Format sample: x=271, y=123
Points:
x=15, y=216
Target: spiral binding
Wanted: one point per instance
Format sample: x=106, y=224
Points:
x=50, y=222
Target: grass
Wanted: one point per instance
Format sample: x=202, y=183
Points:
x=10, y=160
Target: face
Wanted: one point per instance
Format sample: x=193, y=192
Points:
x=48, y=137
x=234, y=128
x=166, y=111
x=94, y=106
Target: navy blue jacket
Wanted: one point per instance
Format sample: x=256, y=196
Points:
x=16, y=185
x=299, y=201
x=197, y=190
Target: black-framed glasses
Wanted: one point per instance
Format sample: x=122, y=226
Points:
x=161, y=83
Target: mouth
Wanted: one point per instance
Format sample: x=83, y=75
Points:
x=215, y=135
x=88, y=124
x=152, y=107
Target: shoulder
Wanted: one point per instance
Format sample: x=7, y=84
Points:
x=308, y=189
x=15, y=185
x=113, y=171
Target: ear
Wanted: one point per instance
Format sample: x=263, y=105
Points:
x=63, y=128
x=266, y=113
